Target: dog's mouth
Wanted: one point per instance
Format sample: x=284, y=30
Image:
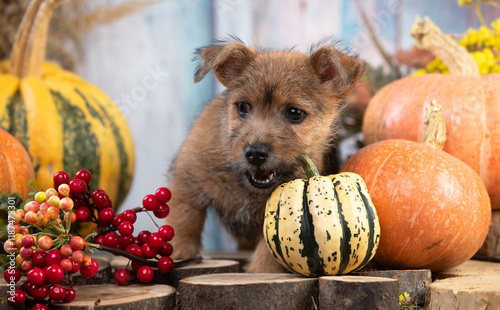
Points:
x=262, y=178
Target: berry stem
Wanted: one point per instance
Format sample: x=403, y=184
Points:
x=125, y=254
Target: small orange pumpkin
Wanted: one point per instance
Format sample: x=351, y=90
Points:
x=16, y=169
x=470, y=102
x=434, y=210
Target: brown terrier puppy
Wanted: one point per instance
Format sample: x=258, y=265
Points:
x=277, y=105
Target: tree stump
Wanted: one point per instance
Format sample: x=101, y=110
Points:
x=470, y=268
x=113, y=297
x=248, y=291
x=470, y=292
x=358, y=293
x=491, y=246
x=413, y=282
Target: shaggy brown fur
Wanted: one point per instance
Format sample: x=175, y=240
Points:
x=277, y=105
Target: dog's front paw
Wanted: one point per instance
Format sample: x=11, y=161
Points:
x=184, y=249
x=267, y=267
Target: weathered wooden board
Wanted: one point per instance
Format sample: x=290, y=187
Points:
x=114, y=297
x=468, y=292
x=248, y=291
x=358, y=293
x=491, y=246
x=414, y=282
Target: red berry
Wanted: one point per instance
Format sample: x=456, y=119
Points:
x=143, y=236
x=116, y=221
x=66, y=265
x=136, y=265
x=66, y=250
x=12, y=275
x=126, y=228
x=99, y=240
x=70, y=295
x=90, y=270
x=122, y=277
x=155, y=240
x=129, y=215
x=36, y=276
x=54, y=273
x=166, y=249
x=77, y=257
x=57, y=293
x=106, y=215
x=76, y=268
x=26, y=253
x=111, y=240
x=145, y=274
x=28, y=241
x=19, y=298
x=162, y=211
x=147, y=251
x=101, y=199
x=77, y=243
x=38, y=258
x=53, y=257
x=165, y=264
x=40, y=292
x=150, y=202
x=126, y=240
x=83, y=214
x=77, y=186
x=60, y=177
x=40, y=307
x=167, y=232
x=134, y=249
x=84, y=175
x=163, y=194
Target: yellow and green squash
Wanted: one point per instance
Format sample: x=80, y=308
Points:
x=64, y=122
x=325, y=225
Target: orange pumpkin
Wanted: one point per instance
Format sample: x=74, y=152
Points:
x=470, y=103
x=434, y=210
x=16, y=169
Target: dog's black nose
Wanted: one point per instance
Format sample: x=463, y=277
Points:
x=256, y=154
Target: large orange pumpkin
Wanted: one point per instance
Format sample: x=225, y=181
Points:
x=470, y=103
x=434, y=210
x=16, y=169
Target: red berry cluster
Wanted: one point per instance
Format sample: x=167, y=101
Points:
x=49, y=254
x=117, y=233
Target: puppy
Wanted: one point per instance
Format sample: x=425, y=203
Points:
x=276, y=106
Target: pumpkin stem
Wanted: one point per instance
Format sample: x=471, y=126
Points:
x=308, y=166
x=435, y=133
x=28, y=51
x=456, y=58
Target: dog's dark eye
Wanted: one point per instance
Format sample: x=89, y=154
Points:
x=294, y=115
x=243, y=108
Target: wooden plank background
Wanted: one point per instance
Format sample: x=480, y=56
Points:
x=144, y=62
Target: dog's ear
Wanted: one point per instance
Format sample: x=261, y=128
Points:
x=337, y=69
x=227, y=61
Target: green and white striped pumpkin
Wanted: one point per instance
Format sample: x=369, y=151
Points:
x=64, y=122
x=323, y=225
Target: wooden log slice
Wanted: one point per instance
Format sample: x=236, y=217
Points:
x=469, y=268
x=358, y=293
x=243, y=257
x=491, y=246
x=248, y=291
x=470, y=292
x=206, y=266
x=113, y=297
x=413, y=282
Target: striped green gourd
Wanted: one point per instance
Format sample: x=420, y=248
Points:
x=64, y=122
x=325, y=225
